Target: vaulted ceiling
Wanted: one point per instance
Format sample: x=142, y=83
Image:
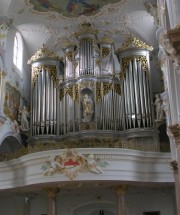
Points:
x=51, y=22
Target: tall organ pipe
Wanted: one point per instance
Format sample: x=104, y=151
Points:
x=137, y=92
x=131, y=87
x=45, y=74
x=136, y=88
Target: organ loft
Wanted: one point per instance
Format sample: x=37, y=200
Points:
x=81, y=96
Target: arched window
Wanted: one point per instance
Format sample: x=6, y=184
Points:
x=18, y=53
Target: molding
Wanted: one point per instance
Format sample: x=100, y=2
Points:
x=125, y=165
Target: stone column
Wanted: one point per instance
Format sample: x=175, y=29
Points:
x=121, y=207
x=174, y=166
x=52, y=201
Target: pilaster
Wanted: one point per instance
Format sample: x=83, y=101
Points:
x=174, y=167
x=174, y=133
x=52, y=192
x=121, y=206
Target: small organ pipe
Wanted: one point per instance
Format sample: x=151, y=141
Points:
x=47, y=101
x=42, y=102
x=131, y=87
x=55, y=108
x=136, y=88
x=140, y=73
x=145, y=95
x=39, y=103
x=128, y=99
x=125, y=100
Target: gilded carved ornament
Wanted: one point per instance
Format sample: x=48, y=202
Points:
x=43, y=53
x=67, y=43
x=133, y=42
x=85, y=84
x=69, y=55
x=88, y=143
x=52, y=192
x=125, y=64
x=71, y=163
x=72, y=91
x=51, y=69
x=86, y=28
x=89, y=39
x=103, y=88
x=105, y=51
x=121, y=190
x=105, y=40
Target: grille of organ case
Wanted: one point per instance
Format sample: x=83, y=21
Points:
x=83, y=95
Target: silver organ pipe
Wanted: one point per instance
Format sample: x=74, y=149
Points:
x=44, y=97
x=137, y=99
x=129, y=113
x=39, y=104
x=88, y=71
x=131, y=88
x=47, y=90
x=142, y=95
x=42, y=100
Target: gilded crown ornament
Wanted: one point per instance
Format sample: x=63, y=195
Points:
x=43, y=53
x=133, y=42
x=105, y=39
x=86, y=28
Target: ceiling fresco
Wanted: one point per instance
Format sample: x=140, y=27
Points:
x=71, y=8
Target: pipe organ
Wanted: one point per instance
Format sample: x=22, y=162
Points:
x=136, y=87
x=80, y=95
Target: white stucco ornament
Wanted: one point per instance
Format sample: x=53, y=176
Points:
x=71, y=163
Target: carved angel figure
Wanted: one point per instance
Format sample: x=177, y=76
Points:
x=23, y=115
x=88, y=111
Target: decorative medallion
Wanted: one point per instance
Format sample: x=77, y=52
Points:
x=71, y=163
x=71, y=8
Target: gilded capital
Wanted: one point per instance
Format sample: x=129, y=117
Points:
x=121, y=190
x=174, y=131
x=52, y=192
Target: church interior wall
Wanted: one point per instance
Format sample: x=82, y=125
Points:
x=75, y=203
x=131, y=166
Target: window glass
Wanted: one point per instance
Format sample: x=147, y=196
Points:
x=17, y=54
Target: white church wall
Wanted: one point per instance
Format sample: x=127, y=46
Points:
x=20, y=81
x=149, y=201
